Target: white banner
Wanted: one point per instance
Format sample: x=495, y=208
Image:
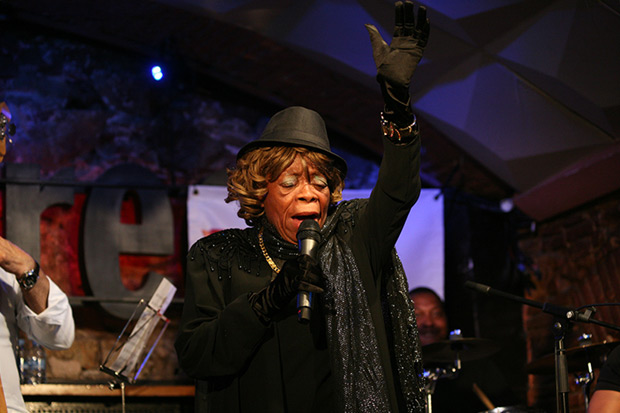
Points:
x=420, y=246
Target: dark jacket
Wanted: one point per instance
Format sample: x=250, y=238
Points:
x=242, y=365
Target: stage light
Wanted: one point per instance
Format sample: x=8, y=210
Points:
x=506, y=205
x=157, y=73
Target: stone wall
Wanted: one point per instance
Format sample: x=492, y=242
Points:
x=81, y=109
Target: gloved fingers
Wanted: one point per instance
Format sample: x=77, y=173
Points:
x=423, y=27
x=379, y=47
x=311, y=288
x=288, y=278
x=307, y=262
x=408, y=19
x=311, y=274
x=399, y=19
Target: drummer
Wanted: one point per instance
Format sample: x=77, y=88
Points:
x=457, y=395
x=430, y=315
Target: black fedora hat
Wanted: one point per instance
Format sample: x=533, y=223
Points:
x=296, y=126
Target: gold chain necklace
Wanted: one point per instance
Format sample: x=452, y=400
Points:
x=261, y=243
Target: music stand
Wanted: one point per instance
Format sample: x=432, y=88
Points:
x=129, y=354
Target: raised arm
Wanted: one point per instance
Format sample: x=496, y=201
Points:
x=398, y=186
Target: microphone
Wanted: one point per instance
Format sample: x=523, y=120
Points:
x=308, y=238
x=481, y=288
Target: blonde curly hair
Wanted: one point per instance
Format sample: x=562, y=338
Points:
x=247, y=182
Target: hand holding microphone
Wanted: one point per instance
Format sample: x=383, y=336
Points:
x=309, y=238
x=300, y=276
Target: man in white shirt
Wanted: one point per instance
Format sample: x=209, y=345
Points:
x=30, y=301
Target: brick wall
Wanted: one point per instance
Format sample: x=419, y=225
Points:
x=578, y=256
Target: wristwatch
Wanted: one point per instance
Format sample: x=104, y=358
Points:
x=29, y=278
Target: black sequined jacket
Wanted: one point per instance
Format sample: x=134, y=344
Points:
x=243, y=366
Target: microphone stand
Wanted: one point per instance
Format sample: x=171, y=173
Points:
x=563, y=316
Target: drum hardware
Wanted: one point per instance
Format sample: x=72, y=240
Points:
x=430, y=380
x=585, y=379
x=458, y=348
x=582, y=360
x=563, y=317
x=443, y=359
x=578, y=358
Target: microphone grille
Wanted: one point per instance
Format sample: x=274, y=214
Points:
x=309, y=229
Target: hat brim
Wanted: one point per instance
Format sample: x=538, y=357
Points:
x=272, y=141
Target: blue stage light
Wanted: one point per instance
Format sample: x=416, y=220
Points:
x=157, y=73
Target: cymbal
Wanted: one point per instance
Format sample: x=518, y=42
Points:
x=577, y=358
x=467, y=349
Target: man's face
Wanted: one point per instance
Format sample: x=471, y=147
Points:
x=432, y=321
x=300, y=192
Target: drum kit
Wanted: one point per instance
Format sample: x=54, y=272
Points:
x=581, y=360
x=563, y=319
x=442, y=360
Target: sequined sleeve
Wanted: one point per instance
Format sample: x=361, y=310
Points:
x=218, y=332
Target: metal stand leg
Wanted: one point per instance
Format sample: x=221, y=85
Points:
x=429, y=402
x=561, y=366
x=123, y=396
x=431, y=377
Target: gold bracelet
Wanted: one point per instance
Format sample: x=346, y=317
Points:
x=389, y=129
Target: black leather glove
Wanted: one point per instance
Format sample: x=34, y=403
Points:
x=397, y=62
x=300, y=274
